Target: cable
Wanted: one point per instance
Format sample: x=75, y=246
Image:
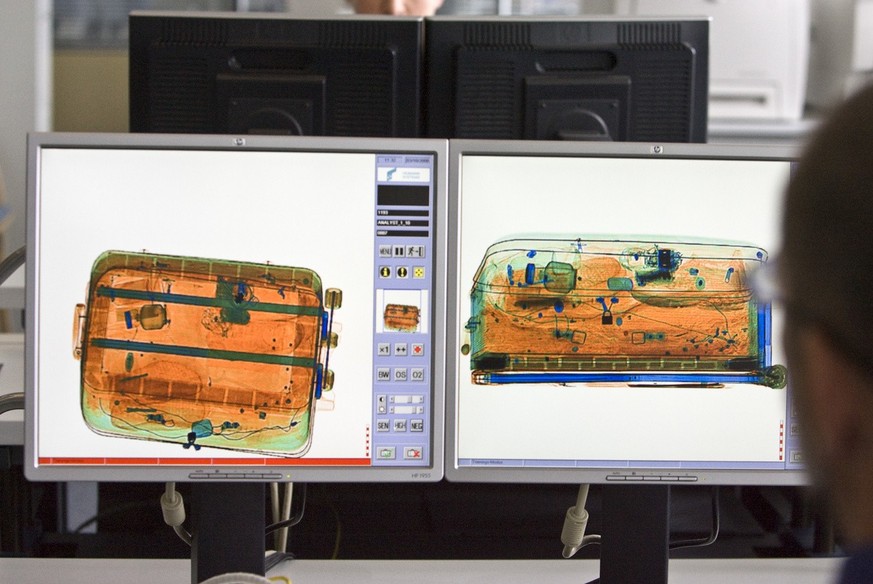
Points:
x=575, y=521
x=276, y=512
x=296, y=517
x=282, y=534
x=11, y=401
x=339, y=532
x=277, y=558
x=11, y=263
x=173, y=508
x=713, y=533
x=281, y=512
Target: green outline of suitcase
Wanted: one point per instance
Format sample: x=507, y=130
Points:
x=591, y=309
x=204, y=352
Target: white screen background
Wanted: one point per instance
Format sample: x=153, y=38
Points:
x=295, y=209
x=502, y=196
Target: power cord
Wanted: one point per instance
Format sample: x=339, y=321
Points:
x=575, y=521
x=173, y=509
x=11, y=263
x=296, y=517
x=713, y=532
x=281, y=511
x=11, y=401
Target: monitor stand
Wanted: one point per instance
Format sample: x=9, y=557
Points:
x=228, y=522
x=635, y=535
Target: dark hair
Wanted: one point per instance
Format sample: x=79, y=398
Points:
x=827, y=254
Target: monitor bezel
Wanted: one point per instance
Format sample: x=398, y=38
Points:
x=443, y=40
x=229, y=143
x=637, y=475
x=298, y=32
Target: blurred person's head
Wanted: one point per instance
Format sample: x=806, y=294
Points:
x=397, y=7
x=826, y=275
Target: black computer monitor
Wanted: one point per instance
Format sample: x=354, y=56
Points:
x=232, y=311
x=272, y=74
x=567, y=79
x=603, y=327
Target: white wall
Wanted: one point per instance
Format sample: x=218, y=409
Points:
x=841, y=60
x=25, y=96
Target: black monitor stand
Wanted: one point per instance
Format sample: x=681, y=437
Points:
x=635, y=534
x=228, y=525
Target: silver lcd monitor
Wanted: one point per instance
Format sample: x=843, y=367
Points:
x=603, y=325
x=235, y=308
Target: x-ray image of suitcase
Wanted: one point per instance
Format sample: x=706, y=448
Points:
x=401, y=317
x=204, y=352
x=598, y=310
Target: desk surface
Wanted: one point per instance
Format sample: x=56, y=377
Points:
x=87, y=571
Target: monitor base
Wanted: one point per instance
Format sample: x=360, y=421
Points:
x=635, y=534
x=228, y=525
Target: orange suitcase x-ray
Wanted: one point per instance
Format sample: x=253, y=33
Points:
x=594, y=310
x=401, y=317
x=205, y=352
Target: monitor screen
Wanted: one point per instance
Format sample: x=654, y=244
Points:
x=567, y=79
x=235, y=308
x=233, y=73
x=602, y=326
